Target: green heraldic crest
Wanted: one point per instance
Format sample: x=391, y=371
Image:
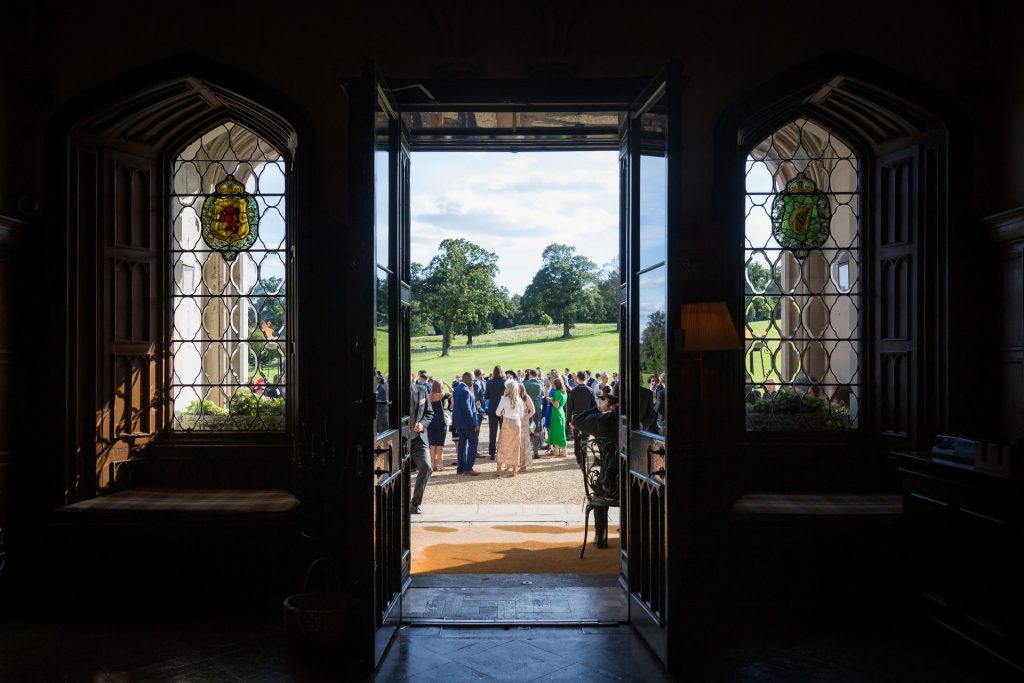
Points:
x=801, y=215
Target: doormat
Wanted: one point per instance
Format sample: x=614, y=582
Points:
x=510, y=549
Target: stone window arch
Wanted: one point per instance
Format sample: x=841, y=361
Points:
x=121, y=157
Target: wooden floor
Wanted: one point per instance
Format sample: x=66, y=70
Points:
x=514, y=599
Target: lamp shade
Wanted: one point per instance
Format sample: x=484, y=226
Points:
x=707, y=326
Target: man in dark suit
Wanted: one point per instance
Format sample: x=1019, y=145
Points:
x=480, y=388
x=420, y=415
x=466, y=421
x=494, y=391
x=535, y=390
x=648, y=417
x=659, y=403
x=581, y=399
x=603, y=424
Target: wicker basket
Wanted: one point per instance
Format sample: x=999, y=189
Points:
x=318, y=620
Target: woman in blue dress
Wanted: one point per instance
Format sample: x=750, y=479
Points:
x=437, y=430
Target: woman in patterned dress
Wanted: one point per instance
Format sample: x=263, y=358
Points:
x=510, y=410
x=529, y=411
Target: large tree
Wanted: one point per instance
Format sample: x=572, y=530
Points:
x=458, y=287
x=268, y=324
x=608, y=294
x=421, y=324
x=652, y=344
x=564, y=288
x=761, y=306
x=495, y=306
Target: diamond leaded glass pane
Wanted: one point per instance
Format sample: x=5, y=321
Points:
x=229, y=283
x=802, y=286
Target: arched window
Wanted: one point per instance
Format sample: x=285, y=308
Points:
x=802, y=294
x=228, y=289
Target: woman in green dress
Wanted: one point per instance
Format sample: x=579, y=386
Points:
x=556, y=434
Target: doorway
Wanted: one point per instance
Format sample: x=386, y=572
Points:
x=643, y=130
x=490, y=232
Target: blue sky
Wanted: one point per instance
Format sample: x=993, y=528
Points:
x=515, y=204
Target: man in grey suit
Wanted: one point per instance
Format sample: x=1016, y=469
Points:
x=420, y=415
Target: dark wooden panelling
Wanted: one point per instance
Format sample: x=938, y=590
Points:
x=895, y=197
x=115, y=236
x=893, y=399
x=9, y=232
x=1007, y=231
x=896, y=296
x=966, y=529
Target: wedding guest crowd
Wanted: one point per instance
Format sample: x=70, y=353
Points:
x=527, y=412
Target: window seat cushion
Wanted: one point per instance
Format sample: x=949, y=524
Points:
x=181, y=504
x=806, y=507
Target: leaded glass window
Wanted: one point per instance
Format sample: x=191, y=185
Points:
x=802, y=289
x=229, y=297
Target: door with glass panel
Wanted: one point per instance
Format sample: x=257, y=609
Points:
x=381, y=207
x=650, y=178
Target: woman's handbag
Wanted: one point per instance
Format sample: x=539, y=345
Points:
x=447, y=417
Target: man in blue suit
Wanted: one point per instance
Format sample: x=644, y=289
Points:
x=480, y=385
x=466, y=421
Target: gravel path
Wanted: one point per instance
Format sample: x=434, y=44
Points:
x=548, y=480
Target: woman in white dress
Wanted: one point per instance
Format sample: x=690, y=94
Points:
x=511, y=410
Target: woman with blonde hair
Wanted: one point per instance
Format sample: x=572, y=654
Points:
x=510, y=409
x=529, y=410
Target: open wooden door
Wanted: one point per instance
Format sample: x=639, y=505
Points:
x=380, y=200
x=650, y=182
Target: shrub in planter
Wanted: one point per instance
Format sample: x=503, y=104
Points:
x=791, y=410
x=246, y=411
x=204, y=408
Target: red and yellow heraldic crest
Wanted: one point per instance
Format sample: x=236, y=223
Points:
x=230, y=219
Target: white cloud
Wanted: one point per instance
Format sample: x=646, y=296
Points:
x=515, y=205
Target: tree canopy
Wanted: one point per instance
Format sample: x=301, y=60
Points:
x=760, y=306
x=608, y=295
x=652, y=344
x=457, y=288
x=268, y=324
x=565, y=287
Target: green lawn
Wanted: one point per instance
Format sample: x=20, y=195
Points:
x=596, y=351
x=511, y=335
x=758, y=363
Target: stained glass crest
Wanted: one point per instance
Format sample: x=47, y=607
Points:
x=800, y=216
x=230, y=219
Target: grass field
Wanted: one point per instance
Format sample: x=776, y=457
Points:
x=511, y=335
x=596, y=348
x=758, y=362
